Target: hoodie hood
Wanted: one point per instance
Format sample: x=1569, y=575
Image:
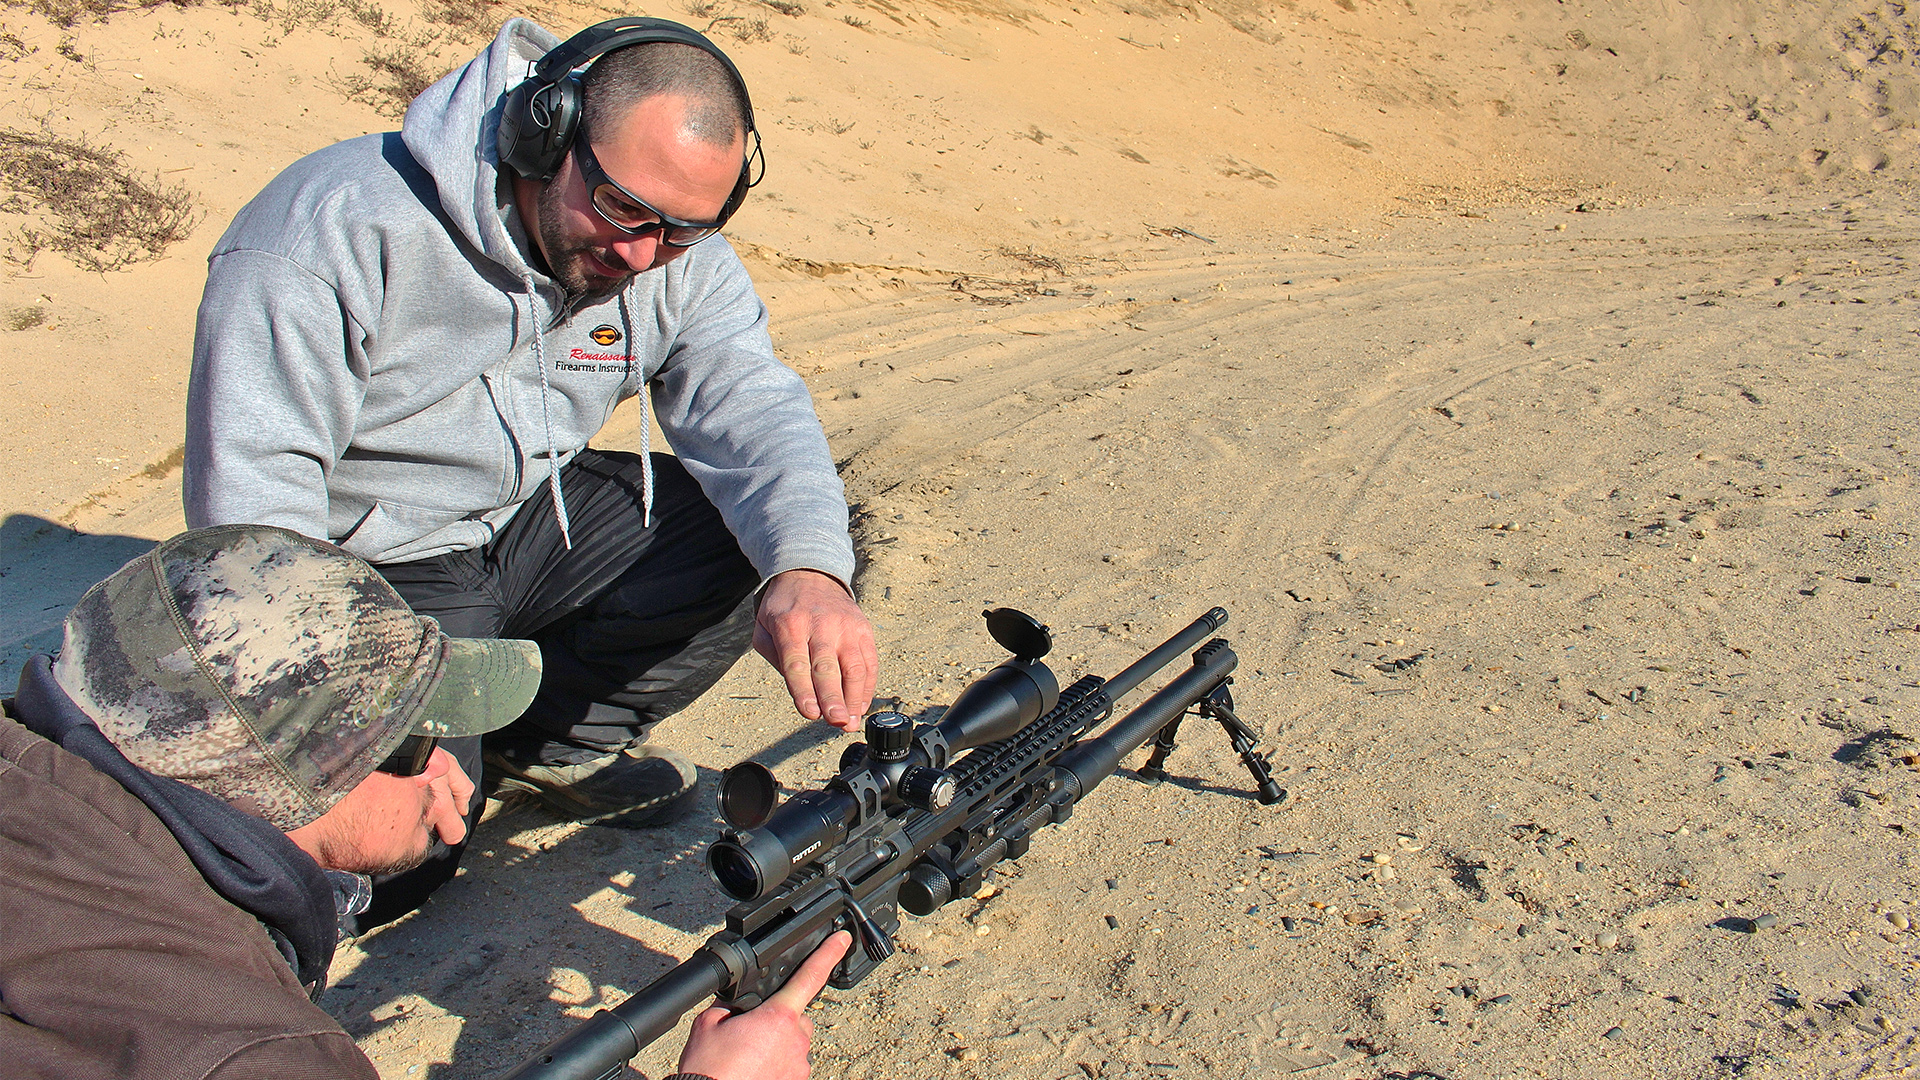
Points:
x=450, y=130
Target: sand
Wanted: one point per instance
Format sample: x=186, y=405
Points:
x=1534, y=387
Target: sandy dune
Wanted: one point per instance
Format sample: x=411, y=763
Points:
x=1534, y=387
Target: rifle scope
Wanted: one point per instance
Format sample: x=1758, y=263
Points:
x=750, y=863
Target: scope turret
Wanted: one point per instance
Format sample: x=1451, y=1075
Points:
x=889, y=734
x=896, y=765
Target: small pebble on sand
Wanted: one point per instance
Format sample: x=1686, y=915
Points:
x=1410, y=907
x=1113, y=923
x=1898, y=920
x=1288, y=923
x=1607, y=940
x=1764, y=922
x=1613, y=1033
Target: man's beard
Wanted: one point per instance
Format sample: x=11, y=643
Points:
x=567, y=258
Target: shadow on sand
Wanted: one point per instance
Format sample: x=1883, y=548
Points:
x=543, y=916
x=45, y=567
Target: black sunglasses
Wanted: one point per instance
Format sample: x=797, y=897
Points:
x=631, y=214
x=410, y=757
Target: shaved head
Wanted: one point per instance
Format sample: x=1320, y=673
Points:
x=716, y=107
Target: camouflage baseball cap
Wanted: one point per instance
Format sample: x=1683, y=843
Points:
x=274, y=670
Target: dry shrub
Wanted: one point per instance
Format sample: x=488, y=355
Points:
x=372, y=16
x=749, y=31
x=86, y=203
x=291, y=15
x=399, y=74
x=466, y=16
x=11, y=47
x=64, y=13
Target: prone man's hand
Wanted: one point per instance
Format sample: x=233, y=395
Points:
x=820, y=642
x=769, y=1042
x=450, y=792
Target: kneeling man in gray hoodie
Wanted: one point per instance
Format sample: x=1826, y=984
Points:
x=407, y=340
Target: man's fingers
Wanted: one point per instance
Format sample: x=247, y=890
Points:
x=444, y=816
x=798, y=673
x=458, y=783
x=813, y=633
x=858, y=674
x=709, y=1019
x=825, y=672
x=450, y=791
x=813, y=973
x=776, y=640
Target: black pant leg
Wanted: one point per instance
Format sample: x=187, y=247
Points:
x=452, y=589
x=634, y=623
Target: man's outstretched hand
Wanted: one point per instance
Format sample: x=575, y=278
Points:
x=769, y=1042
x=816, y=637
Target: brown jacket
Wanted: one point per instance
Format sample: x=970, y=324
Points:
x=116, y=957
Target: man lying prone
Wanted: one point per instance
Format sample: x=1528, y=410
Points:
x=239, y=727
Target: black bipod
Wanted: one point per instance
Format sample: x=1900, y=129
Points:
x=1216, y=706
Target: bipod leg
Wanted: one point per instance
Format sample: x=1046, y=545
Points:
x=1154, y=771
x=1219, y=706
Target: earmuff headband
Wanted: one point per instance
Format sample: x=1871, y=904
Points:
x=540, y=118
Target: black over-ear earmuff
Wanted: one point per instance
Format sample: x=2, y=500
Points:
x=541, y=116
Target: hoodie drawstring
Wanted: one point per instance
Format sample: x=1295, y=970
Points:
x=546, y=418
x=646, y=425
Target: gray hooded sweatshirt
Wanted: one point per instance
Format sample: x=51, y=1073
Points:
x=378, y=363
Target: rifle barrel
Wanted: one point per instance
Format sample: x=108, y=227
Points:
x=599, y=1047
x=1095, y=759
x=1137, y=672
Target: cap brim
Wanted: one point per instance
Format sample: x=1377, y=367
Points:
x=487, y=684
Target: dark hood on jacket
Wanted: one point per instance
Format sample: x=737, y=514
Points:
x=246, y=860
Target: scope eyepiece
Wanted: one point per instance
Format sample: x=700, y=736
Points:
x=749, y=864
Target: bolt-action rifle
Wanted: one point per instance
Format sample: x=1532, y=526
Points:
x=912, y=820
